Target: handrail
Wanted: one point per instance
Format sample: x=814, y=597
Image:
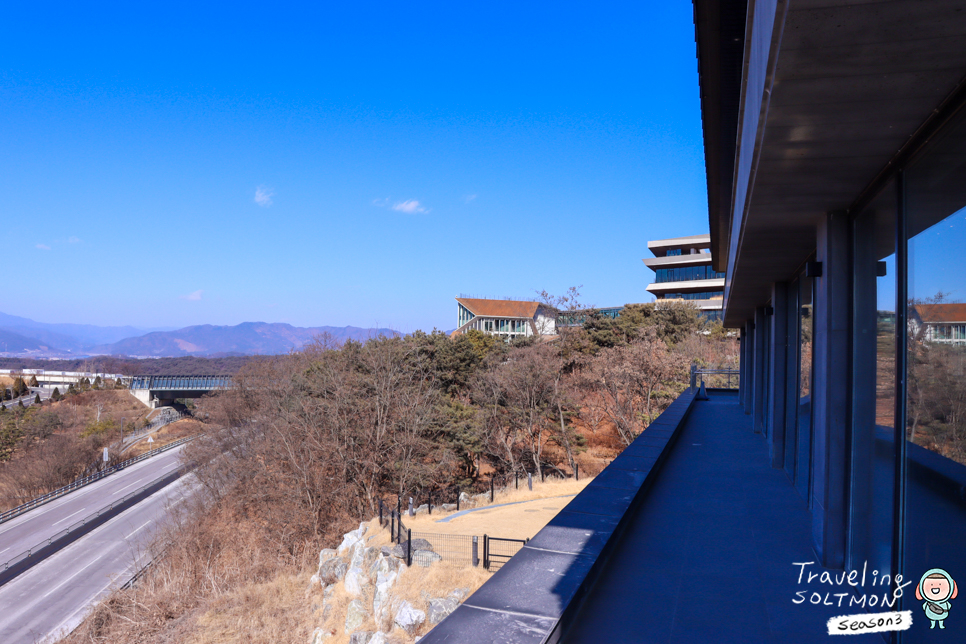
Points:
x=696, y=372
x=87, y=480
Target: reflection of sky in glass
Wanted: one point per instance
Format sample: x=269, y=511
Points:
x=886, y=286
x=936, y=260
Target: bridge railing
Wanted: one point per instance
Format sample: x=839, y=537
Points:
x=181, y=383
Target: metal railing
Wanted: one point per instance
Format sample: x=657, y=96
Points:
x=36, y=553
x=163, y=419
x=181, y=383
x=497, y=551
x=87, y=480
x=719, y=378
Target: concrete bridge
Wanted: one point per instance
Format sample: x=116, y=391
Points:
x=160, y=391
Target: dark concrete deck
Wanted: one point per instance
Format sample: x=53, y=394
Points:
x=708, y=556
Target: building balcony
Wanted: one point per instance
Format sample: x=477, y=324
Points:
x=686, y=286
x=690, y=535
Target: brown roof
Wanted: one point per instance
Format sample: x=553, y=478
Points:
x=931, y=313
x=500, y=308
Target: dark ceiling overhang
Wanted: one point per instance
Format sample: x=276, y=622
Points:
x=832, y=93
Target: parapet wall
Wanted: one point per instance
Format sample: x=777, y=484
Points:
x=536, y=595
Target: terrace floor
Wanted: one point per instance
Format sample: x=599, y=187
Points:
x=709, y=555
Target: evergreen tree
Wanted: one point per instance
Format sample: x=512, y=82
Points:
x=37, y=400
x=56, y=395
x=20, y=403
x=97, y=382
x=33, y=381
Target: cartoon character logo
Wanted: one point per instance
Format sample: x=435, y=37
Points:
x=936, y=588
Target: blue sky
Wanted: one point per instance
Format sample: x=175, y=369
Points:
x=340, y=163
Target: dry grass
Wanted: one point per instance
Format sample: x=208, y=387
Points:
x=530, y=512
x=273, y=612
x=165, y=435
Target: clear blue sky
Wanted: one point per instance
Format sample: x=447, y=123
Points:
x=342, y=163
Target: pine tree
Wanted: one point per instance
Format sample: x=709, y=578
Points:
x=20, y=403
x=56, y=395
x=33, y=381
x=37, y=400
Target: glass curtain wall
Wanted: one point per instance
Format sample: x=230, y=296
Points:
x=803, y=425
x=935, y=420
x=873, y=453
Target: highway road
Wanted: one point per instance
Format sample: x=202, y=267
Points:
x=37, y=525
x=53, y=597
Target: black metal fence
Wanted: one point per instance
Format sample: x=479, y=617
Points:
x=454, y=549
x=497, y=551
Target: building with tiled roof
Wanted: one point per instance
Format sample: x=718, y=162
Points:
x=507, y=319
x=944, y=323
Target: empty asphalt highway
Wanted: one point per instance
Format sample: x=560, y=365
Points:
x=53, y=597
x=36, y=526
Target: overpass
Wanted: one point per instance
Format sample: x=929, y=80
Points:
x=159, y=391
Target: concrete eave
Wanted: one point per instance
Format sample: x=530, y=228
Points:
x=831, y=90
x=697, y=259
x=689, y=286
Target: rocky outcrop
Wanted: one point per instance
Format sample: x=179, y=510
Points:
x=369, y=576
x=408, y=618
x=332, y=571
x=356, y=616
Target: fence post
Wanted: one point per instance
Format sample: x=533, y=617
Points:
x=430, y=506
x=542, y=479
x=694, y=369
x=486, y=552
x=491, y=489
x=412, y=512
x=380, y=514
x=392, y=526
x=576, y=472
x=516, y=480
x=409, y=547
x=398, y=505
x=457, y=498
x=530, y=481
x=476, y=551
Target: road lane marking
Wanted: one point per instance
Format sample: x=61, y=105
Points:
x=61, y=584
x=68, y=516
x=139, y=529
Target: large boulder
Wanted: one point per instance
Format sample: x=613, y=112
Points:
x=350, y=539
x=360, y=637
x=356, y=581
x=325, y=554
x=378, y=638
x=409, y=618
x=448, y=507
x=425, y=558
x=319, y=635
x=332, y=571
x=459, y=594
x=355, y=616
x=381, y=600
x=418, y=544
x=440, y=608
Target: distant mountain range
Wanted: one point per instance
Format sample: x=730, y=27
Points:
x=26, y=338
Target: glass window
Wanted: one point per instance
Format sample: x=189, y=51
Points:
x=934, y=525
x=803, y=422
x=873, y=450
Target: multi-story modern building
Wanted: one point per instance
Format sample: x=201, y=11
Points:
x=683, y=271
x=507, y=319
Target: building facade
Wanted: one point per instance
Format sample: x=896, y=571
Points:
x=939, y=323
x=508, y=319
x=683, y=271
x=835, y=150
